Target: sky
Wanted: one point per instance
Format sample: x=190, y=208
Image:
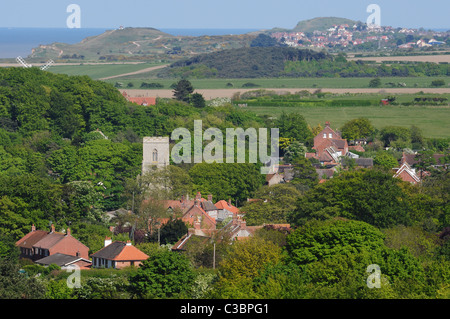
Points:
x=227, y=14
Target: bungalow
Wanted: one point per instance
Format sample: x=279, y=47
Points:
x=38, y=244
x=117, y=255
x=65, y=261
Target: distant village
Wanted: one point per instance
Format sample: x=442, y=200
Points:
x=207, y=218
x=353, y=35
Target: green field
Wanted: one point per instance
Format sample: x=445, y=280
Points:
x=411, y=82
x=98, y=71
x=433, y=120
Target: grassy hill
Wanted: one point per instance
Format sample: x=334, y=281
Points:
x=321, y=24
x=146, y=44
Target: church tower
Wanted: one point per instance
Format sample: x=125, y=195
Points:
x=155, y=153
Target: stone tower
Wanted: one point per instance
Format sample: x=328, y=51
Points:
x=155, y=152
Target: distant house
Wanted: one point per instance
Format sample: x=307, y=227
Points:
x=329, y=146
x=38, y=244
x=65, y=261
x=407, y=174
x=145, y=101
x=117, y=255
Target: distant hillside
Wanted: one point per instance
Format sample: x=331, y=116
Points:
x=321, y=24
x=138, y=43
x=241, y=63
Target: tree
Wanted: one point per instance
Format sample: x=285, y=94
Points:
x=197, y=100
x=172, y=231
x=357, y=128
x=17, y=285
x=375, y=83
x=165, y=275
x=367, y=195
x=396, y=136
x=385, y=160
x=183, y=90
x=242, y=264
x=340, y=237
x=294, y=151
x=272, y=206
x=227, y=180
x=305, y=175
x=293, y=125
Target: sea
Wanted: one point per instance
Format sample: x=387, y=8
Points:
x=19, y=41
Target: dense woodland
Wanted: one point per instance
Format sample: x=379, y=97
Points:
x=255, y=62
x=56, y=166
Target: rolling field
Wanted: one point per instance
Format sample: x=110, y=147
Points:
x=411, y=82
x=433, y=120
x=99, y=71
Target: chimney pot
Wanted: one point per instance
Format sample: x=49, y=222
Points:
x=198, y=196
x=33, y=228
x=53, y=228
x=68, y=232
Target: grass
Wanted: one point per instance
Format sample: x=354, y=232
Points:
x=411, y=82
x=432, y=120
x=98, y=71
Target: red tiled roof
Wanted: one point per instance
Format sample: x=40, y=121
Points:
x=142, y=100
x=222, y=204
x=31, y=238
x=129, y=252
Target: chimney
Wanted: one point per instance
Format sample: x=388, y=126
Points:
x=210, y=197
x=198, y=196
x=68, y=233
x=128, y=242
x=33, y=228
x=196, y=202
x=108, y=241
x=327, y=124
x=52, y=228
x=229, y=202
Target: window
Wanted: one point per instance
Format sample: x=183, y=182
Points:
x=324, y=135
x=155, y=155
x=330, y=135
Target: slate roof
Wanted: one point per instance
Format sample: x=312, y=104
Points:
x=60, y=260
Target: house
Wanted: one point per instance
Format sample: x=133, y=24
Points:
x=199, y=218
x=38, y=244
x=407, y=174
x=65, y=261
x=145, y=101
x=329, y=146
x=225, y=210
x=117, y=255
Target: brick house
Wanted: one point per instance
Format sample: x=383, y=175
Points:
x=407, y=174
x=329, y=146
x=117, y=255
x=38, y=244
